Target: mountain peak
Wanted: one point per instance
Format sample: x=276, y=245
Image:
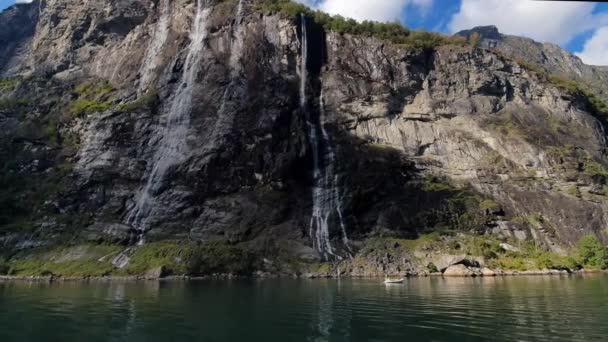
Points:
x=486, y=32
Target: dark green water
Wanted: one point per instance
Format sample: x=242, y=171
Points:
x=425, y=309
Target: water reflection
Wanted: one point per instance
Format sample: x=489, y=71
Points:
x=426, y=309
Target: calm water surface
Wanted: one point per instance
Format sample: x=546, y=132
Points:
x=425, y=309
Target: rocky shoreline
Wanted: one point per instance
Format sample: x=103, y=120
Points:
x=482, y=273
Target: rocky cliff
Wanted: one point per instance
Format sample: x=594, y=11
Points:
x=129, y=122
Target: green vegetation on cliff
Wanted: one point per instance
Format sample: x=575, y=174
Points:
x=91, y=97
x=392, y=32
x=596, y=104
x=96, y=260
x=215, y=258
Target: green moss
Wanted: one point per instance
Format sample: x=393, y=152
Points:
x=548, y=260
x=489, y=205
x=92, y=97
x=574, y=191
x=431, y=183
x=560, y=152
x=219, y=257
x=149, y=101
x=320, y=268
x=507, y=125
x=8, y=84
x=595, y=170
x=4, y=266
x=597, y=105
x=56, y=261
x=172, y=255
x=591, y=253
x=14, y=104
x=82, y=107
x=511, y=263
x=94, y=89
x=66, y=269
x=189, y=259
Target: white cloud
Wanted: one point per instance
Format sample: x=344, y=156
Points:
x=380, y=10
x=23, y=1
x=546, y=21
x=595, y=51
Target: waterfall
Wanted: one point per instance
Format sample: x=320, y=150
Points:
x=326, y=198
x=154, y=52
x=172, y=147
x=235, y=90
x=304, y=64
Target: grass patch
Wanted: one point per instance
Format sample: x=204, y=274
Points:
x=171, y=255
x=149, y=101
x=489, y=205
x=511, y=263
x=61, y=261
x=91, y=97
x=181, y=259
x=83, y=107
x=596, y=104
x=595, y=170
x=8, y=84
x=589, y=252
x=431, y=183
x=14, y=104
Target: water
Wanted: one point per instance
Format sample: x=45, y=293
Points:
x=304, y=62
x=153, y=55
x=235, y=93
x=426, y=309
x=172, y=146
x=326, y=197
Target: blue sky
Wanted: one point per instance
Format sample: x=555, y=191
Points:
x=580, y=27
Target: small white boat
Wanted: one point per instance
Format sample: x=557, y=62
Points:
x=393, y=281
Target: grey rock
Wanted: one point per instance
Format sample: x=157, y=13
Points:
x=459, y=271
x=156, y=273
x=510, y=248
x=395, y=116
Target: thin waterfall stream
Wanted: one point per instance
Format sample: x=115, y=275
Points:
x=235, y=90
x=326, y=197
x=173, y=145
x=153, y=55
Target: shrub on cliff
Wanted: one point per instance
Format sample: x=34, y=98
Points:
x=393, y=32
x=91, y=97
x=591, y=253
x=4, y=267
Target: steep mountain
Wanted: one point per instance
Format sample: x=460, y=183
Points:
x=226, y=122
x=547, y=56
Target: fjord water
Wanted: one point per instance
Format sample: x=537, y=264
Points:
x=424, y=309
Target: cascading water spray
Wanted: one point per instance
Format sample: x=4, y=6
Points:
x=327, y=203
x=153, y=55
x=304, y=64
x=173, y=145
x=235, y=91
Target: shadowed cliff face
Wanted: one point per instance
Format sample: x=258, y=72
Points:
x=186, y=120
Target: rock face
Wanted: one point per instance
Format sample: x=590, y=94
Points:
x=550, y=57
x=459, y=271
x=214, y=121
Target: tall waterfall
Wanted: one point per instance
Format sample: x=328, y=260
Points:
x=327, y=201
x=304, y=64
x=153, y=55
x=172, y=146
x=235, y=90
